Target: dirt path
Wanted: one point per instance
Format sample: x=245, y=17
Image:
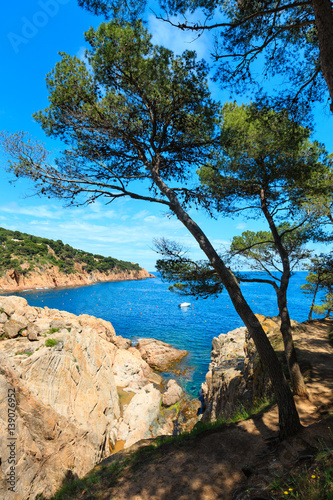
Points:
x=215, y=465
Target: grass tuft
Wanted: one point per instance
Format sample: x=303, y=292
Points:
x=310, y=482
x=51, y=342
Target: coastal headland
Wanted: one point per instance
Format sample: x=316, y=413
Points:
x=52, y=277
x=33, y=262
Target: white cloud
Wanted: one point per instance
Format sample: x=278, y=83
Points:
x=43, y=211
x=140, y=215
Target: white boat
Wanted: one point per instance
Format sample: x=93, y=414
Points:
x=184, y=304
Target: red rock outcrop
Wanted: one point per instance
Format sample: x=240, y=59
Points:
x=51, y=277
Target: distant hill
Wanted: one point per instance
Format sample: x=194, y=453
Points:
x=24, y=256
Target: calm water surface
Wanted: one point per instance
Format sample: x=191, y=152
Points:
x=146, y=308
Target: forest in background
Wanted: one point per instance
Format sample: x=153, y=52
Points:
x=25, y=253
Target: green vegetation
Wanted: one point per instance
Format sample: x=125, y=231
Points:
x=313, y=481
x=28, y=353
x=53, y=330
x=51, y=342
x=24, y=253
x=320, y=278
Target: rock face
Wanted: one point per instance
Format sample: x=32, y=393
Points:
x=158, y=354
x=139, y=415
x=52, y=278
x=64, y=379
x=236, y=376
x=173, y=394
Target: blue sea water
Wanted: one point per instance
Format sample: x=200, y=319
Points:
x=146, y=308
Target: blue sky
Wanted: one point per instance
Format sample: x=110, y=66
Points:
x=32, y=32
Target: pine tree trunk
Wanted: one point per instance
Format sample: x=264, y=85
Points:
x=324, y=21
x=288, y=417
x=313, y=301
x=296, y=377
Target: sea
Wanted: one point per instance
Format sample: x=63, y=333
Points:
x=146, y=308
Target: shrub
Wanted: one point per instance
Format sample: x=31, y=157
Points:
x=51, y=342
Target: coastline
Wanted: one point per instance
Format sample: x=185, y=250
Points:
x=52, y=278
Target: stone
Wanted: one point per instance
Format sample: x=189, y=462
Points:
x=236, y=376
x=59, y=346
x=40, y=326
x=32, y=335
x=12, y=305
x=103, y=328
x=3, y=317
x=123, y=430
x=12, y=328
x=128, y=368
x=173, y=394
x=121, y=342
x=19, y=318
x=158, y=354
x=141, y=413
x=57, y=323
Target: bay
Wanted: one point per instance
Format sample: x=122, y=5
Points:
x=146, y=308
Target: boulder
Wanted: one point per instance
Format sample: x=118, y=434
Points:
x=127, y=368
x=103, y=328
x=139, y=416
x=121, y=342
x=158, y=354
x=12, y=328
x=3, y=317
x=173, y=393
x=11, y=305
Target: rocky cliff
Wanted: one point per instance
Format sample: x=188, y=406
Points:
x=236, y=376
x=71, y=393
x=51, y=277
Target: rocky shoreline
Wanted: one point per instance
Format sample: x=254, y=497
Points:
x=51, y=277
x=78, y=393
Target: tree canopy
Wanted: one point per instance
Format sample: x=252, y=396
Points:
x=292, y=39
x=265, y=158
x=261, y=254
x=266, y=162
x=320, y=279
x=133, y=105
